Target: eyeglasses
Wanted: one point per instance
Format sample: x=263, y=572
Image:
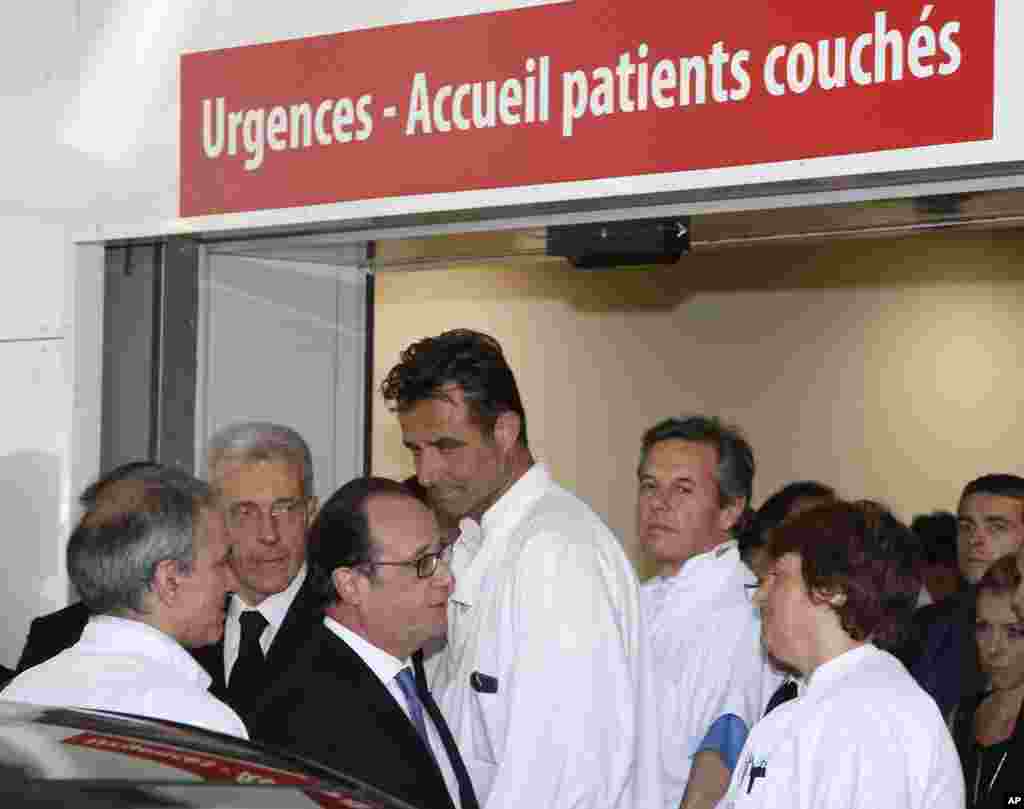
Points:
x=245, y=515
x=426, y=565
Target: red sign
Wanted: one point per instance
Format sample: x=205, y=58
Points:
x=216, y=769
x=577, y=91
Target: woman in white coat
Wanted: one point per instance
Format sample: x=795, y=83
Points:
x=861, y=734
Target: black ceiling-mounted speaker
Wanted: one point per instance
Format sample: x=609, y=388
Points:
x=596, y=245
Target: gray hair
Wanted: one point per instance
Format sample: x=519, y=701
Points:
x=113, y=554
x=735, y=472
x=260, y=441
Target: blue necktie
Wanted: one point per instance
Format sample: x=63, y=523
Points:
x=467, y=794
x=408, y=685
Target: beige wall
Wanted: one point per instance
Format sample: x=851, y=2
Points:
x=886, y=368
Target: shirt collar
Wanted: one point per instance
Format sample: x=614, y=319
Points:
x=836, y=668
x=471, y=535
x=110, y=634
x=505, y=513
x=383, y=664
x=479, y=544
x=274, y=607
x=699, y=571
x=715, y=574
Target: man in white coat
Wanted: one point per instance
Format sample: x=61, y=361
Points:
x=151, y=562
x=544, y=679
x=712, y=677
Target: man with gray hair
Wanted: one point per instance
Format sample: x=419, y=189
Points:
x=151, y=564
x=52, y=633
x=263, y=475
x=712, y=678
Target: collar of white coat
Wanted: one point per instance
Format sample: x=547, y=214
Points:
x=473, y=555
x=836, y=668
x=108, y=634
x=274, y=607
x=713, y=574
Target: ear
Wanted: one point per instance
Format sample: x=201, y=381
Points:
x=730, y=514
x=167, y=581
x=506, y=429
x=348, y=585
x=834, y=598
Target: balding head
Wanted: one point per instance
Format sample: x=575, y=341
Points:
x=133, y=525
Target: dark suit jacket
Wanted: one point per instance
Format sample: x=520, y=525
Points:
x=331, y=707
x=50, y=634
x=302, y=616
x=945, y=658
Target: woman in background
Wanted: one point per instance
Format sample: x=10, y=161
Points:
x=988, y=729
x=861, y=734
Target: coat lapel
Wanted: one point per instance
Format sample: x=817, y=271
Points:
x=303, y=615
x=390, y=718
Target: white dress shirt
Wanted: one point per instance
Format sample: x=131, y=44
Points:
x=274, y=608
x=124, y=665
x=861, y=735
x=708, y=661
x=545, y=621
x=387, y=667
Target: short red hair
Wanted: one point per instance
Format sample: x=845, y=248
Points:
x=861, y=550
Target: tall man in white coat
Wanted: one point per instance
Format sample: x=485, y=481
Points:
x=544, y=679
x=712, y=677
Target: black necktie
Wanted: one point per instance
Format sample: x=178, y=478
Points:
x=784, y=693
x=247, y=674
x=467, y=797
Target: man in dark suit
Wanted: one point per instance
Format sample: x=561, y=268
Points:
x=355, y=697
x=51, y=634
x=943, y=655
x=263, y=475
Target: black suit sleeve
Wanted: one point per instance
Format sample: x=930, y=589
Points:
x=50, y=634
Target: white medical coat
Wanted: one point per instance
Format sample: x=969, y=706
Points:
x=128, y=666
x=546, y=606
x=708, y=660
x=861, y=735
